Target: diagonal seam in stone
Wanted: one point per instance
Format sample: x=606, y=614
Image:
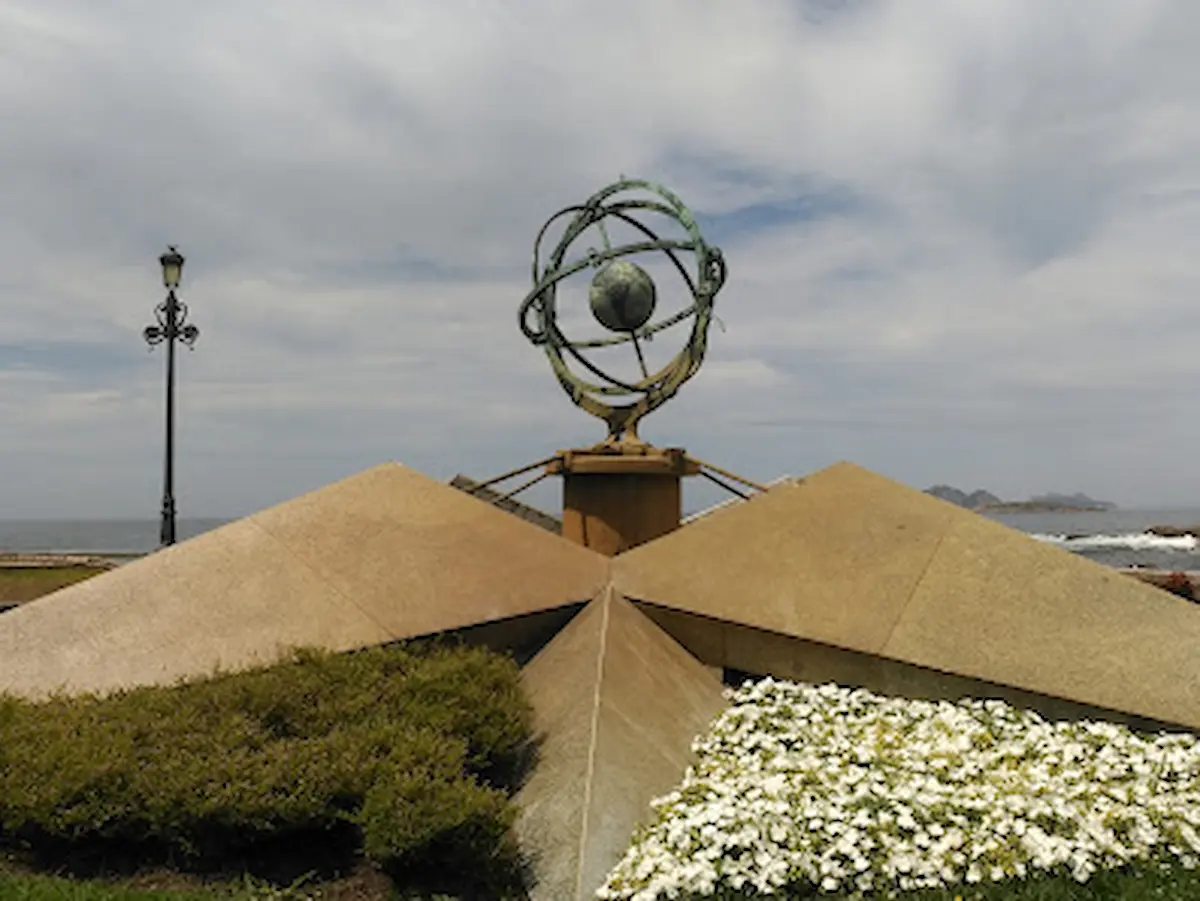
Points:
x=324, y=580
x=593, y=728
x=881, y=651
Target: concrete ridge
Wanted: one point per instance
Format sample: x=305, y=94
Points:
x=589, y=771
x=616, y=733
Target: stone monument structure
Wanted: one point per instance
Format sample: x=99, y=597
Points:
x=628, y=624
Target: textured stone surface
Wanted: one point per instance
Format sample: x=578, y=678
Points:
x=384, y=555
x=618, y=703
x=229, y=599
x=833, y=558
x=999, y=606
x=852, y=560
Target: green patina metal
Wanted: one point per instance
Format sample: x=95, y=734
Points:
x=622, y=298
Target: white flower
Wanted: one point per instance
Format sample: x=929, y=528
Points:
x=846, y=790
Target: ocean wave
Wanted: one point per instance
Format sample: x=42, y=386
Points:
x=1141, y=541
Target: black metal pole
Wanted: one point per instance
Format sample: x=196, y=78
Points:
x=167, y=529
x=172, y=326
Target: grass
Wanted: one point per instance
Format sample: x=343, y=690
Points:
x=1144, y=884
x=19, y=584
x=1147, y=883
x=55, y=888
x=17, y=883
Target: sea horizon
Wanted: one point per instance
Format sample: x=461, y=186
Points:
x=97, y=537
x=1116, y=538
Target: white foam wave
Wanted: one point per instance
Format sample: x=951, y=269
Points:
x=1142, y=541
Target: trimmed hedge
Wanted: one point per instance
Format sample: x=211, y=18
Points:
x=413, y=750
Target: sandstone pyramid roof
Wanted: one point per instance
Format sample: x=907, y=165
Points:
x=843, y=576
x=851, y=560
x=381, y=556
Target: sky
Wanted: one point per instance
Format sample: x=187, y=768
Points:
x=963, y=238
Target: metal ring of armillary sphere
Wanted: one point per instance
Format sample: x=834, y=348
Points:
x=622, y=298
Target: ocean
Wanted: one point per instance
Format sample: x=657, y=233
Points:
x=93, y=536
x=1116, y=538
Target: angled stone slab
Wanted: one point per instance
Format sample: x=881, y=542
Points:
x=833, y=557
x=997, y=605
x=422, y=557
x=617, y=704
x=385, y=555
x=231, y=598
x=849, y=560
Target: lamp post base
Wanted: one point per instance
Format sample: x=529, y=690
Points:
x=166, y=529
x=617, y=496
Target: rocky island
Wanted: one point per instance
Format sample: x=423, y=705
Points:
x=982, y=501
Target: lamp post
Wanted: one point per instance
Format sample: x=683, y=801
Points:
x=171, y=314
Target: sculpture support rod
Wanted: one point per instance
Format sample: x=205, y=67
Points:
x=511, y=473
x=729, y=475
x=712, y=478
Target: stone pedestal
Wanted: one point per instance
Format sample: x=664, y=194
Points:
x=616, y=497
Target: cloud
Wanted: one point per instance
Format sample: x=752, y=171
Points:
x=959, y=236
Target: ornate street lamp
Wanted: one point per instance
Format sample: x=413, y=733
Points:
x=171, y=315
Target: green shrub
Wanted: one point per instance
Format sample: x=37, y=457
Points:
x=415, y=749
x=423, y=819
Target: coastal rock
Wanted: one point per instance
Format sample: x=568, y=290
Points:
x=1076, y=501
x=1037, y=507
x=982, y=501
x=976, y=500
x=1179, y=583
x=1174, y=531
x=1184, y=584
x=949, y=494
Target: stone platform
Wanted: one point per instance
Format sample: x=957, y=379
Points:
x=842, y=576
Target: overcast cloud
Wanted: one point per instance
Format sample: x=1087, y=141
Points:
x=963, y=237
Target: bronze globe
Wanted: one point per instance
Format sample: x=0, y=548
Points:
x=622, y=296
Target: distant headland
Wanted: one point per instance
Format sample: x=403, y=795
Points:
x=983, y=501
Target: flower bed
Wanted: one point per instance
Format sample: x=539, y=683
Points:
x=799, y=788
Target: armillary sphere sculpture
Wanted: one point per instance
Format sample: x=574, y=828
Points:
x=622, y=298
x=622, y=492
